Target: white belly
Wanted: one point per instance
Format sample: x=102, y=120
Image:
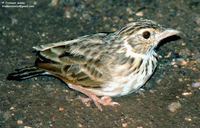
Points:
x=122, y=85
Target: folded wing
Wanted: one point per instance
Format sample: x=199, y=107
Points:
x=82, y=61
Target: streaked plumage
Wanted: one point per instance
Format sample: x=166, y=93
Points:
x=102, y=64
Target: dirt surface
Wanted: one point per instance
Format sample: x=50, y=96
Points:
x=172, y=96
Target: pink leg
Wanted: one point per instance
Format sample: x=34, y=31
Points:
x=105, y=100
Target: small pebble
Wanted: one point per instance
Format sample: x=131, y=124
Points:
x=197, y=20
x=173, y=63
x=130, y=19
x=168, y=55
x=66, y=91
x=180, y=80
x=174, y=106
x=188, y=119
x=35, y=3
x=197, y=29
x=175, y=66
x=80, y=125
x=158, y=81
x=43, y=35
x=14, y=21
x=186, y=93
x=113, y=29
x=196, y=85
x=181, y=62
x=19, y=122
x=139, y=14
x=124, y=125
x=129, y=10
x=54, y=3
x=184, y=63
x=152, y=91
x=61, y=109
x=27, y=127
x=183, y=44
x=12, y=108
x=67, y=14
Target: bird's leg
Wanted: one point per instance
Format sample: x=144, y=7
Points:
x=105, y=100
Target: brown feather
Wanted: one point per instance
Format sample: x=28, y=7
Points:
x=75, y=62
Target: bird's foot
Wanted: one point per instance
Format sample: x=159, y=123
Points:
x=105, y=101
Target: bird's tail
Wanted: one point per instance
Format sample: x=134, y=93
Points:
x=25, y=73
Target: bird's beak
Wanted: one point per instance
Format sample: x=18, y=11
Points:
x=167, y=34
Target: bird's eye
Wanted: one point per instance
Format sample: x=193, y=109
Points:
x=146, y=34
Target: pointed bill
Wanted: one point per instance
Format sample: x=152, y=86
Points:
x=167, y=33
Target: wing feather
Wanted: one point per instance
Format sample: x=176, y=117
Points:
x=80, y=61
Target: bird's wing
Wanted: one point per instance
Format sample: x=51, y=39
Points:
x=82, y=61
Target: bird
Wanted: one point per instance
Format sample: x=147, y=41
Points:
x=102, y=65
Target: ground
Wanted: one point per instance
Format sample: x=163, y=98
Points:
x=172, y=95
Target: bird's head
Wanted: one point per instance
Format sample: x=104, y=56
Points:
x=143, y=36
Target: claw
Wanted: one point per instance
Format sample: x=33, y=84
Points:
x=107, y=101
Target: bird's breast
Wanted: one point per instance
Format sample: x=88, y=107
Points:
x=129, y=78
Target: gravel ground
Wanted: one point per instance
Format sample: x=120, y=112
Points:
x=171, y=99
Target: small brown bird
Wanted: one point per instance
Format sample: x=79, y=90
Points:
x=103, y=64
